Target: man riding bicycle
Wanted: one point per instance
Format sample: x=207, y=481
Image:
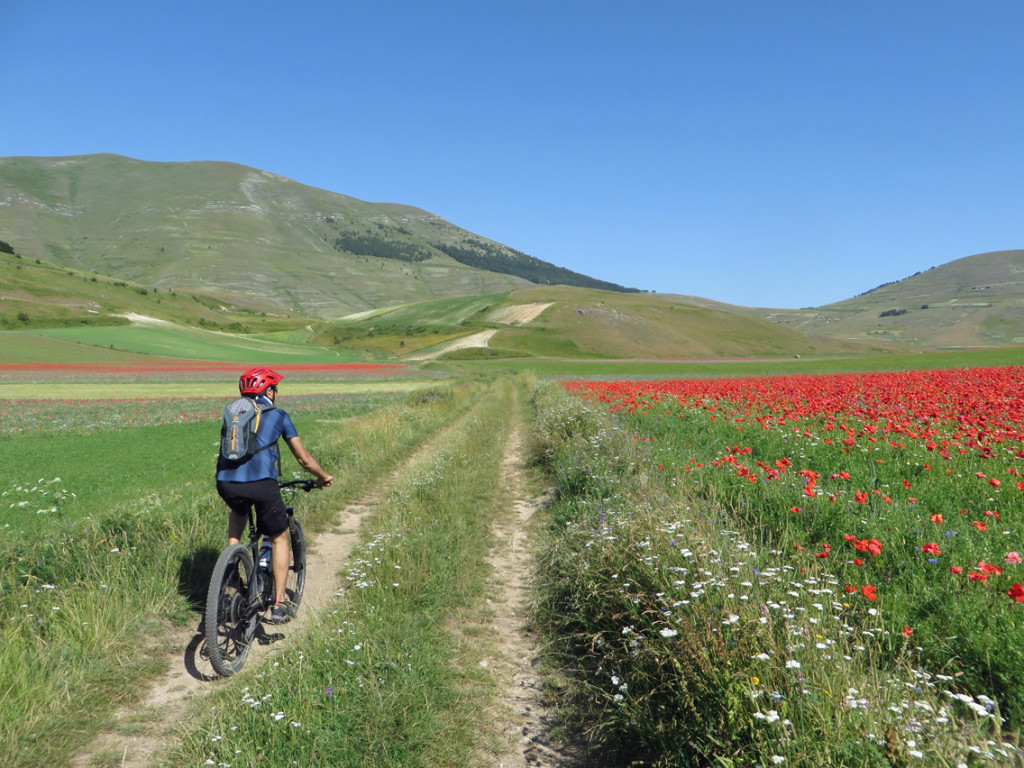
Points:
x=251, y=484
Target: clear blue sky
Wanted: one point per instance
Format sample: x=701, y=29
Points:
x=773, y=153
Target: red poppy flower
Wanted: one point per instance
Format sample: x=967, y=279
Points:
x=980, y=526
x=869, y=592
x=907, y=631
x=931, y=549
x=956, y=569
x=1016, y=593
x=936, y=518
x=874, y=546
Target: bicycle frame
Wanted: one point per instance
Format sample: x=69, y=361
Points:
x=263, y=596
x=240, y=591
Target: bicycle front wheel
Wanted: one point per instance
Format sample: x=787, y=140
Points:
x=297, y=566
x=231, y=618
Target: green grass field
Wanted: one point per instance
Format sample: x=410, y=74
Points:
x=110, y=526
x=650, y=369
x=192, y=344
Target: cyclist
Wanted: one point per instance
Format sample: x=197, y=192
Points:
x=252, y=484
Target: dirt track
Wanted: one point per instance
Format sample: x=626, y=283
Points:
x=144, y=730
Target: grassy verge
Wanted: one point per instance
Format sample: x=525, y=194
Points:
x=381, y=680
x=691, y=641
x=122, y=547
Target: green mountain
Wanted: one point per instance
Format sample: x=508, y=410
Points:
x=248, y=237
x=976, y=301
x=104, y=240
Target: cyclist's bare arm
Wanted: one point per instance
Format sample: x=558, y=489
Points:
x=307, y=462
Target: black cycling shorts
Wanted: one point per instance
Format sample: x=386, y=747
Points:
x=263, y=496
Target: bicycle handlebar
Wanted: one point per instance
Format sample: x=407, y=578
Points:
x=307, y=485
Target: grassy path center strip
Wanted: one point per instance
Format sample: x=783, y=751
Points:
x=379, y=680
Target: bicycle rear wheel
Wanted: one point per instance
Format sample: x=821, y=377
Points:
x=231, y=619
x=297, y=566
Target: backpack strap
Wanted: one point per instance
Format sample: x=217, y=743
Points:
x=263, y=409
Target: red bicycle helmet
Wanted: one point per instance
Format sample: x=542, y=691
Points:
x=256, y=381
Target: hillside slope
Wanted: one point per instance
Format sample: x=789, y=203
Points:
x=248, y=236
x=601, y=324
x=568, y=322
x=976, y=301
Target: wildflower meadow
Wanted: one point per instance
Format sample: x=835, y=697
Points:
x=801, y=570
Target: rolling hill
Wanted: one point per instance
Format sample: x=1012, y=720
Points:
x=248, y=237
x=976, y=301
x=576, y=323
x=43, y=306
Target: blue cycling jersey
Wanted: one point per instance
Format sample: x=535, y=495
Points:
x=274, y=424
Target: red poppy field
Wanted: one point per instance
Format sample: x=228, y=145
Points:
x=185, y=370
x=896, y=498
x=930, y=461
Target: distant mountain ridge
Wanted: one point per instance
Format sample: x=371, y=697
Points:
x=257, y=239
x=976, y=301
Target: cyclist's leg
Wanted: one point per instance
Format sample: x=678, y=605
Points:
x=236, y=526
x=272, y=519
x=236, y=496
x=280, y=560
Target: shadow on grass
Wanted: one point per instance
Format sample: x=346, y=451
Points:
x=194, y=576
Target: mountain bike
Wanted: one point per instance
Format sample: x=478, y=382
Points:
x=241, y=589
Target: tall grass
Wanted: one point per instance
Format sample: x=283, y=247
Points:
x=692, y=640
x=382, y=680
x=89, y=588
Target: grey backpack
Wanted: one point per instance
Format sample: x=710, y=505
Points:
x=240, y=420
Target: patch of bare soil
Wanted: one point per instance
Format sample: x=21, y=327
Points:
x=523, y=717
x=518, y=314
x=481, y=339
